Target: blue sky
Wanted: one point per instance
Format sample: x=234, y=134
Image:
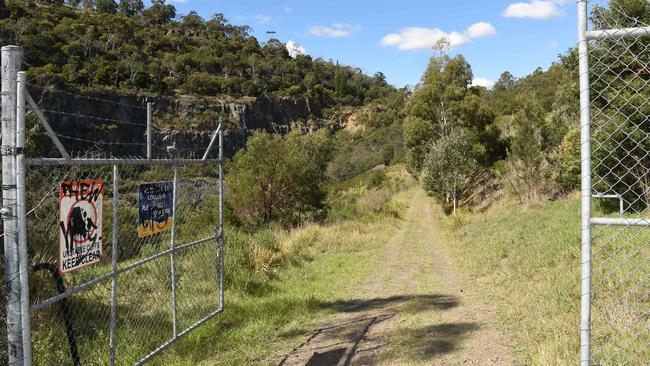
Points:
x=395, y=37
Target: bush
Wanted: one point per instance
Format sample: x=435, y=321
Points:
x=279, y=178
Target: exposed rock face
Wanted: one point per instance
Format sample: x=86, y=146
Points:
x=181, y=126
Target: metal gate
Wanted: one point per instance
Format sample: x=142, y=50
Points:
x=107, y=260
x=614, y=57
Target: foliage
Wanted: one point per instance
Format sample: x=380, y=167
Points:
x=448, y=165
x=279, y=178
x=417, y=132
x=124, y=46
x=620, y=97
x=443, y=105
x=358, y=152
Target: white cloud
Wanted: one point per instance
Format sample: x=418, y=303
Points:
x=535, y=9
x=287, y=9
x=415, y=38
x=480, y=30
x=178, y=1
x=262, y=18
x=486, y=83
x=335, y=30
x=553, y=44
x=295, y=49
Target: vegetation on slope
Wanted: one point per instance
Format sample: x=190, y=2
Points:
x=527, y=263
x=525, y=132
x=127, y=47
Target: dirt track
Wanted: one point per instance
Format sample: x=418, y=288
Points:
x=414, y=309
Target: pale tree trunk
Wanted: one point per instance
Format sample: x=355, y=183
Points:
x=455, y=200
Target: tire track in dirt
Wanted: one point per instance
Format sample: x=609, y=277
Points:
x=413, y=309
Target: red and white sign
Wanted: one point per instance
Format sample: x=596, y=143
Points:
x=80, y=224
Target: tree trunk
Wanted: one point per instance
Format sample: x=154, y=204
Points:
x=455, y=203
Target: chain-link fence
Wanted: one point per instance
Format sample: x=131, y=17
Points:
x=110, y=258
x=616, y=181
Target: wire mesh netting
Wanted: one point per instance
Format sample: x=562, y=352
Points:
x=107, y=285
x=620, y=107
x=154, y=284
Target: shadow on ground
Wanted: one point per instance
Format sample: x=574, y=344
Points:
x=339, y=343
x=434, y=340
x=416, y=303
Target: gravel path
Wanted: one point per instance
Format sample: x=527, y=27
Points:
x=414, y=310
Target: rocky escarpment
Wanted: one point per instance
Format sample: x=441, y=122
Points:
x=114, y=124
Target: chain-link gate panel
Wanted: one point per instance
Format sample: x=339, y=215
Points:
x=164, y=283
x=619, y=103
x=124, y=255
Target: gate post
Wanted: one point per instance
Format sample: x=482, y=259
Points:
x=221, y=227
x=21, y=210
x=11, y=60
x=585, y=156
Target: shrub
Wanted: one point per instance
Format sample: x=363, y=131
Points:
x=279, y=178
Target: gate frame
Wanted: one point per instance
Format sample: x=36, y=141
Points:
x=14, y=207
x=587, y=221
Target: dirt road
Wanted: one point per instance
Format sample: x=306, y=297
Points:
x=416, y=309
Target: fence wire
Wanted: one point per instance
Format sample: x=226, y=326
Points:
x=620, y=121
x=150, y=284
x=151, y=291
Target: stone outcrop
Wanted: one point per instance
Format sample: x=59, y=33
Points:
x=182, y=126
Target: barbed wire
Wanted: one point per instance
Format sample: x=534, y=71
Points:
x=93, y=117
x=97, y=99
x=100, y=142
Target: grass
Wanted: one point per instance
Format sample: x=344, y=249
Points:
x=264, y=322
x=279, y=285
x=526, y=261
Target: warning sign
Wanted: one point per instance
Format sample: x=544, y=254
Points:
x=80, y=227
x=155, y=213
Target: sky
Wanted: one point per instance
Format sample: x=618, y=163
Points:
x=396, y=37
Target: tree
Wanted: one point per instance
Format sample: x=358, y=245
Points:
x=448, y=166
x=278, y=178
x=106, y=6
x=88, y=4
x=444, y=84
x=160, y=13
x=505, y=82
x=418, y=132
x=131, y=7
x=527, y=156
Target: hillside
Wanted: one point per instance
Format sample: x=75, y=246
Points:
x=135, y=49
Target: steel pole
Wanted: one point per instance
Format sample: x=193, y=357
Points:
x=172, y=254
x=11, y=57
x=112, y=345
x=221, y=227
x=585, y=156
x=149, y=119
x=23, y=260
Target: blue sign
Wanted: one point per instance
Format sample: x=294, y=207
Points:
x=155, y=211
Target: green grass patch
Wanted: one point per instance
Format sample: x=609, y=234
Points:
x=527, y=263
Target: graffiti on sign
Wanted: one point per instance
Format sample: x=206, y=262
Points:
x=155, y=212
x=81, y=207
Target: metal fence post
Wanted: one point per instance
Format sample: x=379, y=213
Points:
x=114, y=259
x=23, y=260
x=11, y=61
x=149, y=120
x=585, y=153
x=173, y=251
x=221, y=233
